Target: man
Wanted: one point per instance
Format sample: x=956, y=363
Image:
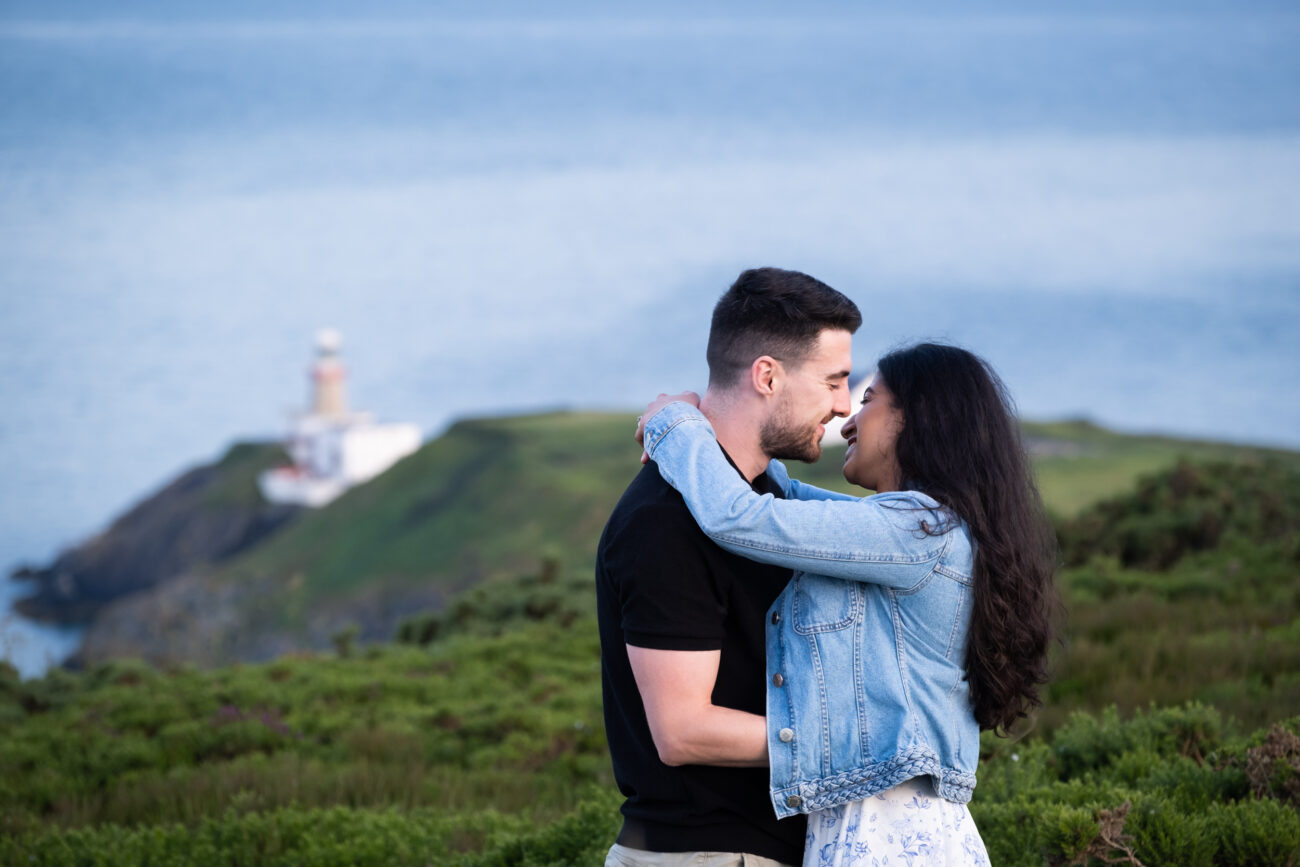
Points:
x=682, y=621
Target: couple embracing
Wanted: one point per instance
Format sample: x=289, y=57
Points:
x=792, y=674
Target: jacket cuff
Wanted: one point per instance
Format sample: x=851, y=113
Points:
x=661, y=423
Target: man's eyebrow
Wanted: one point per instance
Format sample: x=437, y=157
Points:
x=843, y=374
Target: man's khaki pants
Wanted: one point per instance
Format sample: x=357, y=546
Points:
x=621, y=856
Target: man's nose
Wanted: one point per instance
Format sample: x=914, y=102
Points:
x=843, y=403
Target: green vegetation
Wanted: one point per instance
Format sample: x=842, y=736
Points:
x=1185, y=589
x=236, y=474
x=1170, y=735
x=508, y=723
x=1168, y=787
x=1078, y=463
x=1191, y=509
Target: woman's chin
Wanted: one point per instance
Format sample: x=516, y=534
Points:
x=852, y=472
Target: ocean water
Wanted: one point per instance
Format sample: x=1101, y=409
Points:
x=32, y=648
x=505, y=212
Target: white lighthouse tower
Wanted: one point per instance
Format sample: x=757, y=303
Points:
x=328, y=397
x=333, y=448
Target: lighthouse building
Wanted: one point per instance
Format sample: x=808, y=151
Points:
x=331, y=447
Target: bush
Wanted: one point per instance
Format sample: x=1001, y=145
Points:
x=1088, y=743
x=1256, y=833
x=1170, y=786
x=495, y=608
x=336, y=836
x=1185, y=509
x=1165, y=834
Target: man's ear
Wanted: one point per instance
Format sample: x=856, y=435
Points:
x=764, y=373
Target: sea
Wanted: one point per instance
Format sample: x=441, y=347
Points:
x=508, y=207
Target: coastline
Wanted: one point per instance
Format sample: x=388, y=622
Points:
x=33, y=648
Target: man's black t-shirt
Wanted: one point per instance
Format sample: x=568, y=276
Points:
x=662, y=584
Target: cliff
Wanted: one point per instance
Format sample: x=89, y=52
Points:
x=484, y=502
x=205, y=516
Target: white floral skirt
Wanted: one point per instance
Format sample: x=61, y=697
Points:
x=906, y=825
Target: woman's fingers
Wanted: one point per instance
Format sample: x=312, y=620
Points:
x=654, y=406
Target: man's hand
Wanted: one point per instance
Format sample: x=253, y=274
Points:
x=654, y=406
x=676, y=688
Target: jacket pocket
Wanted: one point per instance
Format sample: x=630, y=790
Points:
x=824, y=604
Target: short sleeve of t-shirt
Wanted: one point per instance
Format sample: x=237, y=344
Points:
x=668, y=596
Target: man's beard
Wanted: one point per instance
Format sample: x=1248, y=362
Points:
x=781, y=437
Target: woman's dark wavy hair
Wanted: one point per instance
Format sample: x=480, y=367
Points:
x=960, y=443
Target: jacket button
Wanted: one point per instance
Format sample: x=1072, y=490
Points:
x=793, y=800
x=776, y=618
x=777, y=680
x=786, y=735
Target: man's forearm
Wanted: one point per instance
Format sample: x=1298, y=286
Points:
x=688, y=729
x=713, y=736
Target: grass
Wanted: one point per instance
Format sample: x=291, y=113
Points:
x=237, y=473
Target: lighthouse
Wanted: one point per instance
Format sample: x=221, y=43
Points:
x=329, y=397
x=331, y=447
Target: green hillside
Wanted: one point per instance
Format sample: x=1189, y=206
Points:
x=488, y=501
x=484, y=500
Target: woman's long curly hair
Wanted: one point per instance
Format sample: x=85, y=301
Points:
x=960, y=443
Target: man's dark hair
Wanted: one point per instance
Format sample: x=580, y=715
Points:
x=770, y=311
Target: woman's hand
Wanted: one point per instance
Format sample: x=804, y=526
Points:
x=654, y=406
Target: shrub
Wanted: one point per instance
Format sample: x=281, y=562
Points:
x=1188, y=508
x=1273, y=767
x=1092, y=742
x=1165, y=834
x=1256, y=833
x=494, y=608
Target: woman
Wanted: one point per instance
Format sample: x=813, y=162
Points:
x=916, y=616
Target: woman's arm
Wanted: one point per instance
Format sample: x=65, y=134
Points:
x=797, y=490
x=876, y=539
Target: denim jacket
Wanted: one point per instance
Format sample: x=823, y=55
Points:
x=866, y=646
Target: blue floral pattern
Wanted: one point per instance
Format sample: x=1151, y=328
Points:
x=906, y=826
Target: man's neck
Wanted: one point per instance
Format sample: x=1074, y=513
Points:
x=737, y=433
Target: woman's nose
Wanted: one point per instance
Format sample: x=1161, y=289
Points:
x=850, y=426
